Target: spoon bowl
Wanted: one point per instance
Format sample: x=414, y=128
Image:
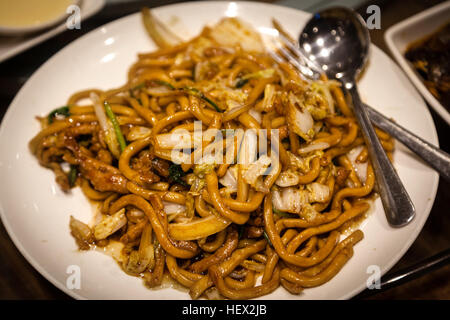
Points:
x=336, y=42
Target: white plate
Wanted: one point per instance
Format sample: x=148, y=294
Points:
x=36, y=213
x=399, y=36
x=10, y=46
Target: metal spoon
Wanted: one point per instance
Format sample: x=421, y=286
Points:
x=336, y=41
x=435, y=157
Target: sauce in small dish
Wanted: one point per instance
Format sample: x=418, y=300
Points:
x=25, y=16
x=430, y=57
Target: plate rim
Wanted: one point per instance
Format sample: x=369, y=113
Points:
x=73, y=293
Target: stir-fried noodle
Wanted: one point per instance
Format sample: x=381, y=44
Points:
x=268, y=207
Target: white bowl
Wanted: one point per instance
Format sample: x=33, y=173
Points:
x=23, y=30
x=399, y=36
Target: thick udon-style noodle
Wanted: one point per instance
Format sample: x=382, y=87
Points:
x=215, y=227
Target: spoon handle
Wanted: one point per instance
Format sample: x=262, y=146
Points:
x=398, y=207
x=435, y=157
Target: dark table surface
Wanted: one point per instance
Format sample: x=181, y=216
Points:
x=19, y=280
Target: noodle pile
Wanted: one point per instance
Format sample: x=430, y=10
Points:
x=239, y=229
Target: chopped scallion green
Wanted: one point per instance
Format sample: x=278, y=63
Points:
x=116, y=126
x=267, y=238
x=62, y=111
x=197, y=93
x=73, y=175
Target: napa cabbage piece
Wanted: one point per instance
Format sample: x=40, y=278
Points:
x=110, y=224
x=302, y=163
x=252, y=167
x=203, y=169
x=297, y=162
x=203, y=69
x=287, y=178
x=248, y=150
x=173, y=208
x=252, y=174
x=318, y=192
x=261, y=74
x=162, y=90
x=360, y=168
x=318, y=100
x=83, y=235
x=178, y=139
x=309, y=213
x=132, y=265
x=256, y=115
x=313, y=104
x=298, y=165
x=199, y=45
x=230, y=97
x=162, y=36
x=298, y=200
x=269, y=97
x=138, y=133
x=196, y=183
x=144, y=257
x=322, y=88
x=289, y=199
x=314, y=147
x=299, y=119
x=196, y=179
x=231, y=32
x=229, y=180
